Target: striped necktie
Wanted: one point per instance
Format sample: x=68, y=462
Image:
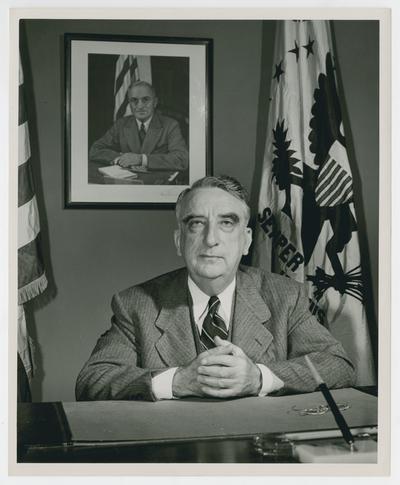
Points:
x=213, y=325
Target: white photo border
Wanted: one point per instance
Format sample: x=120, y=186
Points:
x=78, y=191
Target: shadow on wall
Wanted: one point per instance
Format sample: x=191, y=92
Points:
x=268, y=42
x=359, y=205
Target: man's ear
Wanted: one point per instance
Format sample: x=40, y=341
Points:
x=177, y=240
x=155, y=102
x=248, y=239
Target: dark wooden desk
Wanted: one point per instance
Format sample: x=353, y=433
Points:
x=41, y=429
x=43, y=436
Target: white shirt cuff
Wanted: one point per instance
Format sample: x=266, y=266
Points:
x=162, y=384
x=270, y=382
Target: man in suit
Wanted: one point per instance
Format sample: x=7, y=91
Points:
x=212, y=329
x=146, y=139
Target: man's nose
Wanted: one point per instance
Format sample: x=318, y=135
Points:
x=211, y=236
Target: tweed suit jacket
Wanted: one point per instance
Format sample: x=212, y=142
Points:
x=151, y=331
x=164, y=145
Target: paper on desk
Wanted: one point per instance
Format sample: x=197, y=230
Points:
x=117, y=172
x=141, y=421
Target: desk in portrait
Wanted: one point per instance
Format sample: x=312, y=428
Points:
x=177, y=431
x=97, y=174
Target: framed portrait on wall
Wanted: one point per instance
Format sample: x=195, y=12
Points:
x=137, y=118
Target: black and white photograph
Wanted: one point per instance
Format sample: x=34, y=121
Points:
x=200, y=256
x=133, y=104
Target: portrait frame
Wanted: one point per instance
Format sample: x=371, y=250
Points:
x=189, y=80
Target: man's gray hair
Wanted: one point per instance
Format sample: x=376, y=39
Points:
x=136, y=84
x=223, y=182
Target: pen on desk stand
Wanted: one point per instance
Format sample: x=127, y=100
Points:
x=340, y=421
x=173, y=177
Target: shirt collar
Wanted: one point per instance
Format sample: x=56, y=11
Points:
x=146, y=123
x=200, y=301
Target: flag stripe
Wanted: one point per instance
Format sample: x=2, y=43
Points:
x=126, y=72
x=25, y=184
x=24, y=349
x=24, y=149
x=327, y=167
x=121, y=110
x=326, y=193
x=21, y=105
x=326, y=179
x=28, y=222
x=329, y=197
x=121, y=75
x=337, y=196
x=31, y=275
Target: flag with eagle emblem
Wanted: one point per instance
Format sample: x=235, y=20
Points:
x=307, y=226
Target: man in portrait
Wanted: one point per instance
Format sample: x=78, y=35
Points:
x=215, y=328
x=145, y=140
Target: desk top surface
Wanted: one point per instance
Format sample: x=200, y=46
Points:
x=174, y=431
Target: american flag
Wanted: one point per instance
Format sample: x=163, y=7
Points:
x=126, y=72
x=31, y=274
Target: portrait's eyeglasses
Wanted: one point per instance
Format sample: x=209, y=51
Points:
x=144, y=100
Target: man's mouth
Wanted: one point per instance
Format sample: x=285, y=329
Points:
x=210, y=256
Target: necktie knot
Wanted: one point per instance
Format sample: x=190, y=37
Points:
x=213, y=305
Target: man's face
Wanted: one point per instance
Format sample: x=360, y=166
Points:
x=212, y=236
x=142, y=102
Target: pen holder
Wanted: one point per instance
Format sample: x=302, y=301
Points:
x=364, y=450
x=277, y=447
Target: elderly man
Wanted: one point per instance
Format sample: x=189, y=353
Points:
x=213, y=329
x=146, y=139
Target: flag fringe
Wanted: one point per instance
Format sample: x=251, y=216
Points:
x=32, y=289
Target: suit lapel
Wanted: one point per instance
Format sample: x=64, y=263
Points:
x=250, y=318
x=132, y=135
x=176, y=344
x=152, y=135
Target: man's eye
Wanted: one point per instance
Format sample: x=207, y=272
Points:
x=227, y=223
x=195, y=224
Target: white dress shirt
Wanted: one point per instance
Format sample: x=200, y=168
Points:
x=162, y=383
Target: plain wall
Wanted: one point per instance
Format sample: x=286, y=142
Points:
x=91, y=254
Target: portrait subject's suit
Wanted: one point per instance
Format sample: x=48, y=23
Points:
x=151, y=330
x=164, y=145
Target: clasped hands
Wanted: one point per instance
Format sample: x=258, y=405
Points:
x=223, y=371
x=127, y=160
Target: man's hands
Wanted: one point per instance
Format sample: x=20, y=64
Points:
x=224, y=371
x=127, y=160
